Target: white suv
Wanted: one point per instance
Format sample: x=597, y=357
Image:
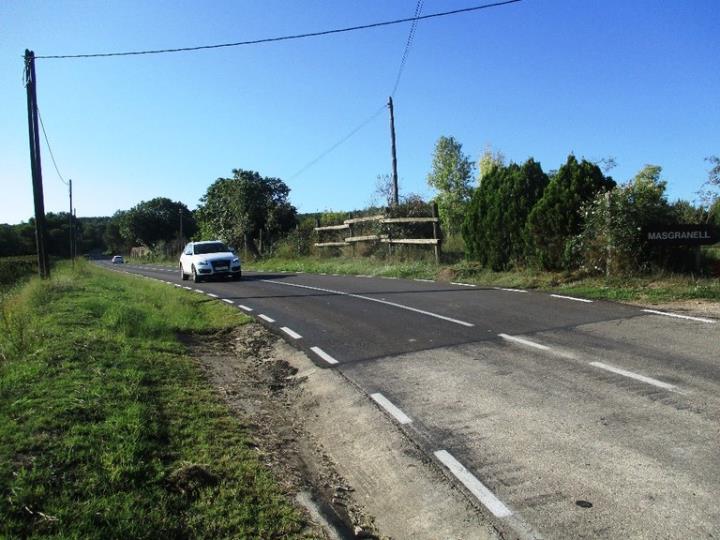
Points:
x=209, y=259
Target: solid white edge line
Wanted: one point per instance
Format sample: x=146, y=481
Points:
x=392, y=410
x=525, y=342
x=632, y=375
x=476, y=487
x=462, y=284
x=266, y=318
x=400, y=306
x=572, y=298
x=508, y=290
x=678, y=316
x=245, y=307
x=424, y=280
x=322, y=354
x=292, y=333
x=226, y=300
x=211, y=294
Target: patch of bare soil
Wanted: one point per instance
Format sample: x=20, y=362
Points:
x=265, y=393
x=706, y=308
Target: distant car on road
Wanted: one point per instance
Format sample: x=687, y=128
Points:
x=117, y=259
x=209, y=259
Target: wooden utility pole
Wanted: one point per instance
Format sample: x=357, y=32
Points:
x=394, y=155
x=35, y=165
x=72, y=224
x=74, y=218
x=436, y=232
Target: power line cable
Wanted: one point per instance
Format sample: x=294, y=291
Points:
x=408, y=44
x=339, y=142
x=47, y=142
x=289, y=37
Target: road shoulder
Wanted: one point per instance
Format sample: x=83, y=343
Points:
x=331, y=447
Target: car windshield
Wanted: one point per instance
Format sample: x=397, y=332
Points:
x=212, y=247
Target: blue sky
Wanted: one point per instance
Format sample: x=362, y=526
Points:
x=636, y=80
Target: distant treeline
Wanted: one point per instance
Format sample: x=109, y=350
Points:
x=20, y=239
x=506, y=216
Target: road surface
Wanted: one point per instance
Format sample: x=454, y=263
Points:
x=559, y=417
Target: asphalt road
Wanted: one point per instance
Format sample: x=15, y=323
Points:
x=559, y=418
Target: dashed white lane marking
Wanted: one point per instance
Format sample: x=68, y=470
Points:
x=393, y=304
x=245, y=308
x=424, y=280
x=213, y=295
x=386, y=404
x=508, y=290
x=227, y=300
x=363, y=275
x=678, y=316
x=322, y=354
x=462, y=284
x=292, y=333
x=572, y=298
x=266, y=318
x=199, y=290
x=636, y=376
x=177, y=284
x=476, y=487
x=525, y=342
x=188, y=288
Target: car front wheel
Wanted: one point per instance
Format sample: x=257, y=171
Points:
x=195, y=277
x=183, y=275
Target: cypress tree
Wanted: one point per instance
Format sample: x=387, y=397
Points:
x=557, y=216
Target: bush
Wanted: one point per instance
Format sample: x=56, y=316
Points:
x=13, y=269
x=612, y=239
x=494, y=228
x=558, y=216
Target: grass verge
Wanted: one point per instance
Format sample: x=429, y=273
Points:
x=108, y=429
x=651, y=289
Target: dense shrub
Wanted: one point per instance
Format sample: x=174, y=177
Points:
x=612, y=239
x=558, y=215
x=14, y=268
x=495, y=224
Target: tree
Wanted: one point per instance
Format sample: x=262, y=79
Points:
x=709, y=193
x=685, y=212
x=242, y=208
x=450, y=176
x=557, y=217
x=612, y=239
x=494, y=228
x=157, y=220
x=488, y=161
x=113, y=236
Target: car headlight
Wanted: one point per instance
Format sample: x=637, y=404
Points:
x=236, y=261
x=203, y=263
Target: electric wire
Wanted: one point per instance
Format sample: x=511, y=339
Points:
x=339, y=142
x=47, y=142
x=408, y=44
x=285, y=38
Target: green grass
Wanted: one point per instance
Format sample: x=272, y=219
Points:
x=657, y=288
x=107, y=427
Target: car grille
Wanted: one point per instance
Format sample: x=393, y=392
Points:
x=221, y=263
